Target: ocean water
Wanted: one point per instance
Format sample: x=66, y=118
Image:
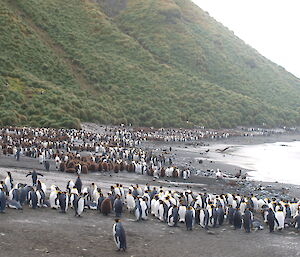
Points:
x=269, y=162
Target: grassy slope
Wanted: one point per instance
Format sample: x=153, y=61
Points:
x=155, y=63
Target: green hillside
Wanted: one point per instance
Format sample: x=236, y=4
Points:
x=144, y=62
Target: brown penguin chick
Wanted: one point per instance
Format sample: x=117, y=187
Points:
x=106, y=206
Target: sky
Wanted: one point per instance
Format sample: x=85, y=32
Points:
x=272, y=27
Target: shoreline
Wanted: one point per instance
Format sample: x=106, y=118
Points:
x=187, y=154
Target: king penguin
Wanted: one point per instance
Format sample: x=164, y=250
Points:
x=118, y=206
x=138, y=210
x=189, y=218
x=280, y=217
x=173, y=216
x=144, y=208
x=9, y=181
x=63, y=201
x=271, y=220
x=237, y=219
x=33, y=199
x=204, y=218
x=247, y=220
x=130, y=202
x=181, y=212
x=119, y=235
x=79, y=204
x=2, y=200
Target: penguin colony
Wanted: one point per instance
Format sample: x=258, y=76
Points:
x=170, y=207
x=78, y=151
x=116, y=150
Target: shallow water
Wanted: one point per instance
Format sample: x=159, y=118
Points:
x=269, y=162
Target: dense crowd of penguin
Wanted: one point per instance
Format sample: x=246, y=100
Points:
x=82, y=152
x=168, y=206
x=78, y=151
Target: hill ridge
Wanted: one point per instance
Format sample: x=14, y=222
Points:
x=151, y=63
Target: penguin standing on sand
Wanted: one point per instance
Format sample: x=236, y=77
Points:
x=197, y=216
x=79, y=204
x=70, y=186
x=99, y=202
x=247, y=220
x=161, y=210
x=181, y=212
x=33, y=199
x=53, y=198
x=34, y=176
x=4, y=187
x=41, y=197
x=119, y=235
x=63, y=200
x=23, y=194
x=9, y=182
x=2, y=200
x=138, y=209
x=189, y=218
x=237, y=219
x=73, y=196
x=118, y=206
x=78, y=184
x=280, y=217
x=173, y=216
x=214, y=216
x=130, y=202
x=144, y=208
x=204, y=218
x=14, y=194
x=221, y=215
x=271, y=219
